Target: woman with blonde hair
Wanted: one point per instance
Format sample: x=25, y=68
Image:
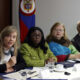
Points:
x=10, y=59
x=60, y=45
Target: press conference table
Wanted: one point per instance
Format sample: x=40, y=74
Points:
x=45, y=73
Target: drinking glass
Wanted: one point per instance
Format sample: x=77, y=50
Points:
x=50, y=66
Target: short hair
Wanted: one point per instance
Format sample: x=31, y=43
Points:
x=78, y=26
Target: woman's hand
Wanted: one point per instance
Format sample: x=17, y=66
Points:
x=9, y=70
x=50, y=60
x=78, y=56
x=11, y=62
x=74, y=56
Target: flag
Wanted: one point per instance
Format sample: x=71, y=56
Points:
x=26, y=17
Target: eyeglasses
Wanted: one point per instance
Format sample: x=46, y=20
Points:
x=36, y=35
x=61, y=30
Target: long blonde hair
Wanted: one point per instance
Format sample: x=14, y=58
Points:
x=5, y=32
x=50, y=36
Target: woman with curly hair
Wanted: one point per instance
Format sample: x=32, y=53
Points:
x=35, y=50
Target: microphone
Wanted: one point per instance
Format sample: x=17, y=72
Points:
x=12, y=51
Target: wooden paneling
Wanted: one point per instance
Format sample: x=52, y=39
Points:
x=5, y=13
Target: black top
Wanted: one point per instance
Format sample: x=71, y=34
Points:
x=76, y=42
x=18, y=66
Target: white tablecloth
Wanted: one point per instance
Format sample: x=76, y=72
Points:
x=44, y=73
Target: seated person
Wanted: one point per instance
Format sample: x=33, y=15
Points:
x=10, y=59
x=60, y=45
x=35, y=50
x=76, y=39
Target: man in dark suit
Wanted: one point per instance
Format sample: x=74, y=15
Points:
x=76, y=39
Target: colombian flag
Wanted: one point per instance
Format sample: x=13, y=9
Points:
x=26, y=17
